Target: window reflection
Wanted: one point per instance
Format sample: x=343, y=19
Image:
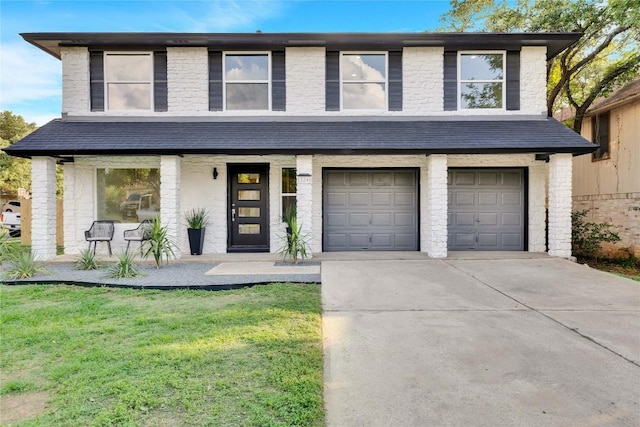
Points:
x=364, y=81
x=128, y=81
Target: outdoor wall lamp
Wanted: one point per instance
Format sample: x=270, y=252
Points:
x=215, y=173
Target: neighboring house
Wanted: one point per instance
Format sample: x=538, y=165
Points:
x=607, y=183
x=414, y=142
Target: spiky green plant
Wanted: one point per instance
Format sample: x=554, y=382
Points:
x=160, y=244
x=22, y=265
x=197, y=218
x=86, y=260
x=295, y=243
x=125, y=267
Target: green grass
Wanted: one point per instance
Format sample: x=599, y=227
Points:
x=251, y=357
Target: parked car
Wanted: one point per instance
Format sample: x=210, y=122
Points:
x=11, y=206
x=11, y=222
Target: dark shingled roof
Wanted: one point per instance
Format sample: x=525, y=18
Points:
x=68, y=138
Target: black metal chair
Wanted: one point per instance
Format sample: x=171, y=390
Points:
x=100, y=231
x=140, y=234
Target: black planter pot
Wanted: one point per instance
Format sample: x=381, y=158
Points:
x=196, y=240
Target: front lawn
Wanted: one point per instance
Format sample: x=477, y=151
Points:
x=100, y=356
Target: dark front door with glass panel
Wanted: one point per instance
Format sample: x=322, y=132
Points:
x=248, y=208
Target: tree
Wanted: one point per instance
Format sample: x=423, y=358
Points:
x=14, y=172
x=607, y=56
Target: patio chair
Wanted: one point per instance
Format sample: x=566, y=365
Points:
x=140, y=234
x=100, y=231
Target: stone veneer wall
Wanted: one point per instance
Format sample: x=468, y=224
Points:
x=622, y=210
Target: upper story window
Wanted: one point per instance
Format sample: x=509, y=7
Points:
x=363, y=77
x=600, y=136
x=481, y=80
x=128, y=81
x=247, y=81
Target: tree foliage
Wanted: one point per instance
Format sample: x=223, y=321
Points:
x=14, y=172
x=607, y=56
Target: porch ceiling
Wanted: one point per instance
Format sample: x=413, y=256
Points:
x=66, y=138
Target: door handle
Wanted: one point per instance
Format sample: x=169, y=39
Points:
x=233, y=215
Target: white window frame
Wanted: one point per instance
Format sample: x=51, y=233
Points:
x=503, y=80
x=385, y=81
x=106, y=81
x=224, y=79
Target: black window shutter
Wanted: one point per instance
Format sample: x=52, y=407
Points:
x=96, y=80
x=395, y=81
x=160, y=81
x=513, y=80
x=332, y=84
x=215, y=81
x=278, y=82
x=450, y=81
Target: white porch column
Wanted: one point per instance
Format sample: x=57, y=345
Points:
x=560, y=205
x=304, y=199
x=170, y=213
x=537, y=200
x=43, y=207
x=435, y=207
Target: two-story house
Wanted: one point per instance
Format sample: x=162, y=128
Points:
x=413, y=142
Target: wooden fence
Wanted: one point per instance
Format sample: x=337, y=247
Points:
x=25, y=215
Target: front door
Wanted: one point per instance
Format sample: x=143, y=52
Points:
x=248, y=208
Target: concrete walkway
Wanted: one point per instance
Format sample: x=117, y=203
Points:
x=491, y=342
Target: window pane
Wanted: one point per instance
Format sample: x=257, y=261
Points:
x=288, y=203
x=248, y=194
x=481, y=95
x=129, y=96
x=289, y=180
x=247, y=96
x=249, y=212
x=249, y=228
x=481, y=66
x=364, y=67
x=128, y=195
x=248, y=178
x=246, y=67
x=129, y=68
x=364, y=96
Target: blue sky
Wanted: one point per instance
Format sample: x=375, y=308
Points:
x=30, y=80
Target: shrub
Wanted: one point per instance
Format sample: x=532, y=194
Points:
x=23, y=264
x=86, y=260
x=295, y=242
x=587, y=237
x=125, y=267
x=160, y=245
x=197, y=218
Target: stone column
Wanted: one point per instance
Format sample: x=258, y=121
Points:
x=537, y=200
x=434, y=207
x=304, y=199
x=560, y=205
x=170, y=213
x=43, y=207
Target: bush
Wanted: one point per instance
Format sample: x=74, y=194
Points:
x=86, y=260
x=160, y=244
x=587, y=237
x=295, y=245
x=125, y=267
x=24, y=264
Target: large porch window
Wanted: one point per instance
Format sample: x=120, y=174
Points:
x=127, y=195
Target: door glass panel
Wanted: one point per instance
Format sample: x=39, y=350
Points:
x=248, y=178
x=248, y=194
x=249, y=228
x=249, y=212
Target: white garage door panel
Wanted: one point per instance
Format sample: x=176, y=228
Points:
x=486, y=209
x=368, y=209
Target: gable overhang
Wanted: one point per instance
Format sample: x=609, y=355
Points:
x=53, y=42
x=64, y=138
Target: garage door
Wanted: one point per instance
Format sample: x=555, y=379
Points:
x=486, y=209
x=370, y=209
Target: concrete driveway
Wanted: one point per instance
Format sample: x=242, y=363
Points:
x=496, y=342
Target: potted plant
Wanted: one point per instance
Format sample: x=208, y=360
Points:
x=197, y=220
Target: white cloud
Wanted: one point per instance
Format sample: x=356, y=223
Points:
x=27, y=74
x=234, y=15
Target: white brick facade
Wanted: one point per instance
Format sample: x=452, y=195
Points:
x=435, y=207
x=75, y=81
x=304, y=199
x=305, y=75
x=422, y=92
x=533, y=80
x=170, y=212
x=43, y=207
x=560, y=205
x=188, y=79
